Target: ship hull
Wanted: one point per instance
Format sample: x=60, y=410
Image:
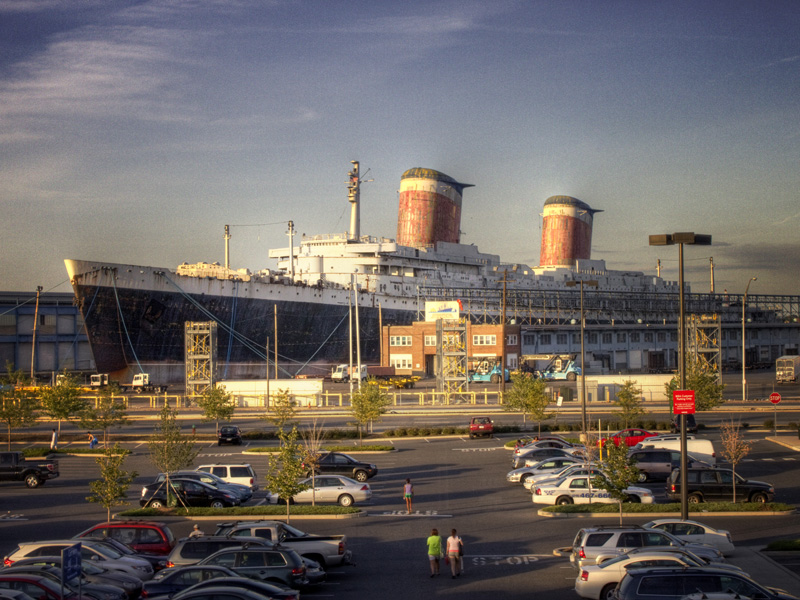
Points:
x=137, y=315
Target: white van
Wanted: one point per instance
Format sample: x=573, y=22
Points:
x=699, y=448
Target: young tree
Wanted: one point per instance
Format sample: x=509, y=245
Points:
x=109, y=411
x=285, y=470
x=707, y=387
x=284, y=412
x=734, y=447
x=629, y=401
x=18, y=409
x=368, y=404
x=112, y=488
x=217, y=405
x=620, y=472
x=170, y=450
x=312, y=450
x=63, y=402
x=528, y=395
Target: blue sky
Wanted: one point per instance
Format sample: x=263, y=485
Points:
x=134, y=131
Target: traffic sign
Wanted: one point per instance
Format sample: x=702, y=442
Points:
x=774, y=397
x=71, y=563
x=683, y=402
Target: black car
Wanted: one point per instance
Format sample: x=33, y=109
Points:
x=691, y=424
x=242, y=491
x=186, y=492
x=268, y=590
x=229, y=434
x=337, y=463
x=717, y=485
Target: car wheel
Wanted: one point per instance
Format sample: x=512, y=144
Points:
x=217, y=504
x=564, y=500
x=759, y=497
x=633, y=499
x=495, y=378
x=642, y=477
x=345, y=500
x=572, y=376
x=695, y=498
x=361, y=476
x=471, y=436
x=524, y=478
x=605, y=593
x=155, y=504
x=32, y=480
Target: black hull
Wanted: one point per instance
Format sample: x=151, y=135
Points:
x=148, y=326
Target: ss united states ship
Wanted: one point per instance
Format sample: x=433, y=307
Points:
x=136, y=314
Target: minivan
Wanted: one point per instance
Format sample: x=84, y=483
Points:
x=700, y=448
x=241, y=474
x=658, y=463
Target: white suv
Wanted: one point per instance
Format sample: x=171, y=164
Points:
x=241, y=474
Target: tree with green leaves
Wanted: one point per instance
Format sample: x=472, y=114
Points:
x=734, y=447
x=112, y=488
x=171, y=450
x=620, y=473
x=286, y=469
x=707, y=387
x=63, y=402
x=108, y=411
x=217, y=405
x=368, y=404
x=312, y=451
x=18, y=409
x=630, y=403
x=284, y=411
x=528, y=395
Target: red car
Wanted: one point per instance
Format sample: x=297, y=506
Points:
x=143, y=536
x=631, y=436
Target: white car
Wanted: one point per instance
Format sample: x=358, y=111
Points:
x=579, y=490
x=549, y=465
x=545, y=443
x=548, y=478
x=596, y=582
x=329, y=488
x=692, y=531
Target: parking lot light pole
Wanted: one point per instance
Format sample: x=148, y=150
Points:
x=679, y=239
x=744, y=355
x=592, y=283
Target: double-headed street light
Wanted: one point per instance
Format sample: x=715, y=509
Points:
x=679, y=239
x=744, y=355
x=573, y=283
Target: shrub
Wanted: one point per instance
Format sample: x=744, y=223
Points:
x=769, y=424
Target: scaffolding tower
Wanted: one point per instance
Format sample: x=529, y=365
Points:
x=452, y=374
x=703, y=336
x=201, y=356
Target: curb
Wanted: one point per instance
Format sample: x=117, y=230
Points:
x=282, y=518
x=587, y=515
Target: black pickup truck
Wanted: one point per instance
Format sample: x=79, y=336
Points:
x=14, y=467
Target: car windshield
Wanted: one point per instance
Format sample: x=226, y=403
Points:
x=106, y=551
x=292, y=532
x=613, y=561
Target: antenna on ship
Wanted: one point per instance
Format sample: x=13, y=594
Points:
x=227, y=247
x=354, y=197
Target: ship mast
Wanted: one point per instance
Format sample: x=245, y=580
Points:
x=354, y=197
x=291, y=248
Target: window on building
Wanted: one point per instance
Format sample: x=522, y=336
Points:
x=648, y=336
x=484, y=340
x=576, y=338
x=561, y=339
x=545, y=339
x=673, y=336
x=621, y=338
x=607, y=338
x=430, y=340
x=400, y=361
x=635, y=337
x=513, y=339
x=593, y=338
x=661, y=336
x=400, y=340
x=529, y=340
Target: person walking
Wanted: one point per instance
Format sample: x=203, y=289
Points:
x=455, y=552
x=434, y=543
x=54, y=440
x=408, y=494
x=92, y=441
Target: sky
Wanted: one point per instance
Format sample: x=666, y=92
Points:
x=134, y=131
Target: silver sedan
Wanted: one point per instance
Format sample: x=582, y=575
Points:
x=330, y=488
x=549, y=465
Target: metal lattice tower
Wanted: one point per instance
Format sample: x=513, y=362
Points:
x=703, y=336
x=201, y=355
x=451, y=344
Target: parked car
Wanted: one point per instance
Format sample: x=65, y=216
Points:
x=658, y=463
x=266, y=590
x=191, y=550
x=225, y=592
x=93, y=573
x=673, y=584
x=91, y=550
x=229, y=434
x=171, y=581
x=38, y=587
x=157, y=561
x=242, y=491
x=597, y=582
x=697, y=447
x=548, y=442
x=329, y=488
x=97, y=591
x=143, y=536
x=242, y=474
x=548, y=478
x=535, y=455
x=579, y=489
x=190, y=493
x=691, y=424
x=338, y=463
x=270, y=564
x=717, y=485
x=548, y=465
x=481, y=427
x=629, y=437
x=593, y=545
x=692, y=531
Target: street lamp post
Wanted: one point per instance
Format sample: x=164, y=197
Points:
x=744, y=354
x=581, y=283
x=671, y=239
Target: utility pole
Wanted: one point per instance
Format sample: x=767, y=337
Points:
x=276, y=341
x=503, y=342
x=33, y=342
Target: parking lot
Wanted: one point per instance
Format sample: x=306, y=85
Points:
x=459, y=483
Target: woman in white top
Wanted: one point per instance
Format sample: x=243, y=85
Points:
x=455, y=551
